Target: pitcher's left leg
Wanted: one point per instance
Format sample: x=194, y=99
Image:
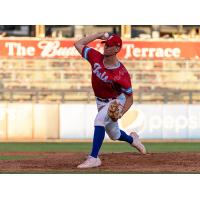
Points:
x=126, y=138
x=115, y=133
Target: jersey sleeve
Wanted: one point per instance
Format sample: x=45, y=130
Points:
x=125, y=84
x=90, y=54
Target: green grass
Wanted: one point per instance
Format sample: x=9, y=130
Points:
x=173, y=147
x=107, y=147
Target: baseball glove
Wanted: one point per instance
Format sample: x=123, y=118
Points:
x=114, y=110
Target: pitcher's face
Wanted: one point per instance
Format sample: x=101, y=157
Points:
x=110, y=51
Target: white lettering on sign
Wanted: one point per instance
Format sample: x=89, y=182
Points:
x=52, y=48
x=132, y=51
x=16, y=49
x=55, y=48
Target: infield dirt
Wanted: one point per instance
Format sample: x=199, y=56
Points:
x=43, y=162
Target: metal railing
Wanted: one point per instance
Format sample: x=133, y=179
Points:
x=33, y=95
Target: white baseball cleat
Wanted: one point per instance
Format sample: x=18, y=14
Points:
x=137, y=143
x=90, y=162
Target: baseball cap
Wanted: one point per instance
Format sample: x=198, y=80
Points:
x=113, y=40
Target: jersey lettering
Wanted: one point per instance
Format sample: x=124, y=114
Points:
x=99, y=74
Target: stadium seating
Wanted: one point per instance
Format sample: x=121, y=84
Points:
x=70, y=79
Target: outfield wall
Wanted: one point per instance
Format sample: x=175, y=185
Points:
x=75, y=121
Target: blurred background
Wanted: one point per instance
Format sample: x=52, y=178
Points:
x=150, y=76
x=127, y=31
x=39, y=65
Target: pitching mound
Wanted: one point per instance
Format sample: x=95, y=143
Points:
x=34, y=162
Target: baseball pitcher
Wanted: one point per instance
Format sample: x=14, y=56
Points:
x=114, y=96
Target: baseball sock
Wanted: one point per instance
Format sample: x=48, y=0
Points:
x=99, y=134
x=125, y=137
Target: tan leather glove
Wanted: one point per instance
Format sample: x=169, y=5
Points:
x=114, y=110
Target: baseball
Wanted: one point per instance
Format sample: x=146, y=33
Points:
x=106, y=35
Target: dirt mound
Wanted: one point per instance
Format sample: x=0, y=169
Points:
x=41, y=162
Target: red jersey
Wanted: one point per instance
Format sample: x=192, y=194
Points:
x=107, y=82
